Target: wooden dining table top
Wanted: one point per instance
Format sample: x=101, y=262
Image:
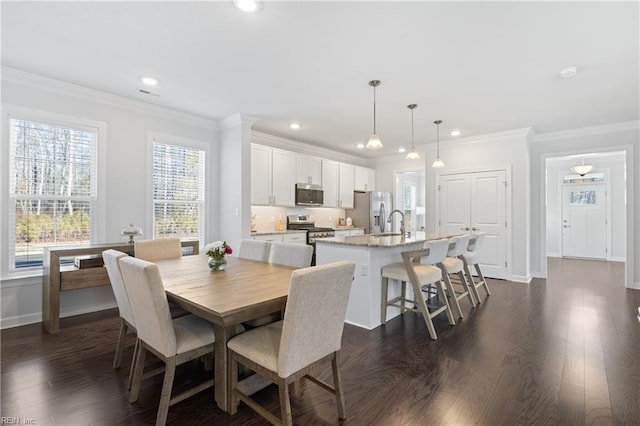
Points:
x=246, y=289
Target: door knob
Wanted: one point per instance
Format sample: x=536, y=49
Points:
x=465, y=228
x=475, y=229
x=566, y=226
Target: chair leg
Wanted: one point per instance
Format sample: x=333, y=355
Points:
x=424, y=310
x=467, y=289
x=285, y=403
x=443, y=296
x=165, y=395
x=337, y=384
x=473, y=287
x=483, y=280
x=453, y=300
x=385, y=298
x=136, y=348
x=403, y=295
x=233, y=382
x=117, y=360
x=137, y=374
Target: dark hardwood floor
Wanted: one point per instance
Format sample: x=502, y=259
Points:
x=561, y=351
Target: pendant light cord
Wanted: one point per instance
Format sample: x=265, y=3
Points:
x=374, y=110
x=412, y=144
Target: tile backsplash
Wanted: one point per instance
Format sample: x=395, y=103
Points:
x=267, y=217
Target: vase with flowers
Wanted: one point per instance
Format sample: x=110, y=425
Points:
x=217, y=252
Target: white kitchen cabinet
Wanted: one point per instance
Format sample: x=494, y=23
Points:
x=342, y=232
x=297, y=238
x=273, y=176
x=308, y=169
x=272, y=238
x=358, y=231
x=338, y=181
x=365, y=179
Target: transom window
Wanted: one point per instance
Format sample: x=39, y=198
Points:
x=53, y=187
x=178, y=191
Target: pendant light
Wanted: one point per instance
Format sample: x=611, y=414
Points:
x=374, y=140
x=582, y=169
x=413, y=153
x=437, y=163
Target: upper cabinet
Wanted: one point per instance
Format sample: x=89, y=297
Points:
x=365, y=179
x=273, y=176
x=308, y=169
x=337, y=182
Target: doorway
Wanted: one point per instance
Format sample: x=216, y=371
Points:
x=584, y=221
x=409, y=197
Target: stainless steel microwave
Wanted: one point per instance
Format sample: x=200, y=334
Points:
x=309, y=195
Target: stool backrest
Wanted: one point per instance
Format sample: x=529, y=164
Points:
x=459, y=245
x=437, y=251
x=475, y=242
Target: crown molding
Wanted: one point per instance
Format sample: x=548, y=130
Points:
x=524, y=132
x=588, y=131
x=236, y=120
x=40, y=82
x=305, y=148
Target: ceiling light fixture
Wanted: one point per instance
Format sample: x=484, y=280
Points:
x=455, y=133
x=569, y=72
x=413, y=154
x=374, y=140
x=402, y=149
x=582, y=169
x=149, y=81
x=437, y=163
x=360, y=146
x=247, y=5
x=294, y=126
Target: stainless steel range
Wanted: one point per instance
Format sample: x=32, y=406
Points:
x=302, y=222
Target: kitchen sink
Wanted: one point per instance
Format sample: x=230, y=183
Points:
x=387, y=234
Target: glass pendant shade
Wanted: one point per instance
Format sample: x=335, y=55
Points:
x=413, y=154
x=582, y=169
x=374, y=142
x=437, y=162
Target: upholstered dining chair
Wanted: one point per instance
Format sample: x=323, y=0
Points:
x=173, y=341
x=158, y=249
x=471, y=258
x=296, y=255
x=451, y=265
x=254, y=250
x=418, y=268
x=310, y=334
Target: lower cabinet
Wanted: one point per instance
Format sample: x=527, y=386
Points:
x=348, y=232
x=294, y=238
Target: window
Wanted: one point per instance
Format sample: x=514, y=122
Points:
x=588, y=178
x=178, y=191
x=53, y=187
x=582, y=197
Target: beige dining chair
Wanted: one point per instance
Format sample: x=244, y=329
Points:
x=471, y=258
x=158, y=249
x=173, y=341
x=311, y=333
x=418, y=268
x=254, y=250
x=296, y=255
x=453, y=265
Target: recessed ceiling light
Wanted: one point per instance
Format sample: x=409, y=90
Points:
x=455, y=133
x=294, y=126
x=569, y=72
x=401, y=149
x=149, y=81
x=247, y=5
x=360, y=146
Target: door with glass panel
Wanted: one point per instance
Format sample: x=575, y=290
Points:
x=584, y=221
x=476, y=202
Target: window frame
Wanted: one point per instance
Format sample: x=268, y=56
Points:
x=8, y=269
x=155, y=137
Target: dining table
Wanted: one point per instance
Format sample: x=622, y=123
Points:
x=244, y=290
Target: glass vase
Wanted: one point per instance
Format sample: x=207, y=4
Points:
x=217, y=264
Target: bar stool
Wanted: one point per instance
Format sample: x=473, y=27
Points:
x=453, y=265
x=418, y=274
x=470, y=258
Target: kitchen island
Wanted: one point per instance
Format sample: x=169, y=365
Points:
x=370, y=253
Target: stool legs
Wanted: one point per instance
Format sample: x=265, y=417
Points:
x=472, y=286
x=455, y=306
x=385, y=300
x=483, y=281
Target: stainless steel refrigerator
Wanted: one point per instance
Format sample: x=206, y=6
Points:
x=370, y=210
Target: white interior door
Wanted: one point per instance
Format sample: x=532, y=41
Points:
x=584, y=221
x=476, y=202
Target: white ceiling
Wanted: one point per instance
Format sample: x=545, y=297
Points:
x=481, y=67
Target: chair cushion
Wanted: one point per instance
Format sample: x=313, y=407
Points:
x=453, y=265
x=192, y=332
x=427, y=274
x=471, y=258
x=261, y=345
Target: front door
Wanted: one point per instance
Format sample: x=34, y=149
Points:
x=476, y=202
x=584, y=221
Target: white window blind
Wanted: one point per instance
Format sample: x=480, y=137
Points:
x=53, y=187
x=178, y=191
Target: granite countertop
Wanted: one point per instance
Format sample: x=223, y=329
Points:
x=288, y=231
x=373, y=240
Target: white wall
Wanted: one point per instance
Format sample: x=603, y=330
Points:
x=614, y=137
x=128, y=124
x=614, y=168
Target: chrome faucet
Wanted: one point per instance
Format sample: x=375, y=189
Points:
x=401, y=221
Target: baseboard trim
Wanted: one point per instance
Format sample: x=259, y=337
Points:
x=554, y=254
x=521, y=278
x=635, y=286
x=617, y=259
x=36, y=317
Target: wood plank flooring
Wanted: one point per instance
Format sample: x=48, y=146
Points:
x=561, y=351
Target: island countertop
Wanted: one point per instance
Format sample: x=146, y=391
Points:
x=373, y=240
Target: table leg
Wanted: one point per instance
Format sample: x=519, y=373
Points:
x=222, y=382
